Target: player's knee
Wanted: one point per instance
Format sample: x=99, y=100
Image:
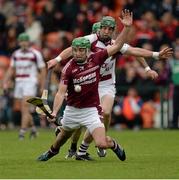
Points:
x=106, y=113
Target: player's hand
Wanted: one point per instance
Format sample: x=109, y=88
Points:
x=53, y=119
x=152, y=74
x=127, y=18
x=51, y=63
x=165, y=53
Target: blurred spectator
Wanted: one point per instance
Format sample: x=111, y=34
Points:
x=128, y=111
x=2, y=22
x=81, y=25
x=7, y=8
x=168, y=25
x=148, y=113
x=176, y=9
x=34, y=29
x=47, y=18
x=166, y=5
x=13, y=22
x=70, y=10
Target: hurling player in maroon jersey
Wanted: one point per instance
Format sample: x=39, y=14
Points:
x=80, y=77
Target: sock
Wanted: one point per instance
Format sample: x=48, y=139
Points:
x=73, y=146
x=33, y=129
x=22, y=132
x=83, y=148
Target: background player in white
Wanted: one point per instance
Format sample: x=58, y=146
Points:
x=82, y=105
x=101, y=40
x=26, y=63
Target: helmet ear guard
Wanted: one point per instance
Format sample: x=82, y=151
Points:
x=108, y=21
x=81, y=42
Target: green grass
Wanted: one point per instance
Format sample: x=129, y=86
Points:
x=150, y=154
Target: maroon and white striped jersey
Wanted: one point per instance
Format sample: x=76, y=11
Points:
x=26, y=64
x=87, y=76
x=107, y=71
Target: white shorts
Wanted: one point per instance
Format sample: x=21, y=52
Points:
x=24, y=88
x=75, y=118
x=108, y=89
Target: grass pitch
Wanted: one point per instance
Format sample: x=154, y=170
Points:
x=150, y=154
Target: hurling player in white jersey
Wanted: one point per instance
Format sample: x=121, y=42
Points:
x=101, y=40
x=82, y=109
x=26, y=63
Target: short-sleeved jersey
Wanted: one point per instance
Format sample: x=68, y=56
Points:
x=107, y=71
x=26, y=64
x=87, y=76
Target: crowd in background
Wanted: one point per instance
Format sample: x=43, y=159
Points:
x=52, y=24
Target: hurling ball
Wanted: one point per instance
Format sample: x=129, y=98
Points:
x=77, y=88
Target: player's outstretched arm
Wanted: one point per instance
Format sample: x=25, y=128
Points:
x=140, y=52
x=66, y=53
x=127, y=20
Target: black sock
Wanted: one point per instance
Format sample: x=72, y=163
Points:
x=73, y=146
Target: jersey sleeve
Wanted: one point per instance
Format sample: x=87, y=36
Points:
x=124, y=48
x=66, y=74
x=92, y=38
x=100, y=56
x=40, y=61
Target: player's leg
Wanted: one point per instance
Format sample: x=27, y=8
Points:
x=61, y=138
x=29, y=90
x=74, y=140
x=106, y=142
x=69, y=124
x=17, y=108
x=26, y=118
x=107, y=102
x=17, y=105
x=82, y=151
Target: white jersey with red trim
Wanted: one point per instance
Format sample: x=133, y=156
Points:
x=26, y=64
x=107, y=71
